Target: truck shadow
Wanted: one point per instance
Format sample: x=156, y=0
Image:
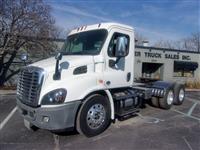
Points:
x=67, y=132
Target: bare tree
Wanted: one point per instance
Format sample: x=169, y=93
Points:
x=139, y=38
x=18, y=20
x=191, y=43
x=165, y=44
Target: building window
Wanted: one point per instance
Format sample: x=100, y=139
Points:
x=184, y=68
x=152, y=70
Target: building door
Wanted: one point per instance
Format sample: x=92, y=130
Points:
x=152, y=70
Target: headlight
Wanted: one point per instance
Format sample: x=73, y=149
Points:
x=54, y=97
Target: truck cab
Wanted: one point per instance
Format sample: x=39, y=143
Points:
x=90, y=83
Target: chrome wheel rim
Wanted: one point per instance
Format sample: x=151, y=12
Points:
x=170, y=98
x=96, y=116
x=181, y=95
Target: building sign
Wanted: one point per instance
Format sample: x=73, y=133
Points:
x=158, y=55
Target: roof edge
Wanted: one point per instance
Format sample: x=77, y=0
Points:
x=166, y=49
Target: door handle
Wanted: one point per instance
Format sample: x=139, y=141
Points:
x=128, y=76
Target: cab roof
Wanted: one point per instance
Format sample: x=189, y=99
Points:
x=107, y=25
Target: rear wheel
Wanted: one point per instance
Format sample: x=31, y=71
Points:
x=179, y=92
x=168, y=99
x=155, y=102
x=94, y=116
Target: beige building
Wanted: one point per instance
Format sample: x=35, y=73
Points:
x=166, y=64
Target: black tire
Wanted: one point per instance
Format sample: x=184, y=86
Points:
x=82, y=125
x=179, y=94
x=164, y=103
x=155, y=102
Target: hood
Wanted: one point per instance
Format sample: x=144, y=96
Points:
x=68, y=61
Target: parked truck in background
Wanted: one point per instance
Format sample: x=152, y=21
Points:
x=90, y=84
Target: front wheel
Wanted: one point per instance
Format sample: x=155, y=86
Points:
x=94, y=116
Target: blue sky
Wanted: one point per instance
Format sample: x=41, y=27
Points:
x=155, y=19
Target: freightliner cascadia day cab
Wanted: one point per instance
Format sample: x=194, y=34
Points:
x=90, y=83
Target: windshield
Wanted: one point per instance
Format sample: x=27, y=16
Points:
x=85, y=43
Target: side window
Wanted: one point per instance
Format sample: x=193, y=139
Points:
x=113, y=41
x=184, y=68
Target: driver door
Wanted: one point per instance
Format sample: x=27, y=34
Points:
x=118, y=69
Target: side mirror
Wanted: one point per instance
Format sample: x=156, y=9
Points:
x=121, y=49
x=57, y=73
x=58, y=56
x=24, y=57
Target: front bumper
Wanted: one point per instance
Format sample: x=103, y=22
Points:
x=59, y=117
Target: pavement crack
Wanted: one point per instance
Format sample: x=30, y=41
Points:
x=187, y=143
x=56, y=142
x=149, y=119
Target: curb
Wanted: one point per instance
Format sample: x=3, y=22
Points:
x=192, y=90
x=7, y=92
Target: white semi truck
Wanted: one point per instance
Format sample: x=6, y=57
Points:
x=90, y=84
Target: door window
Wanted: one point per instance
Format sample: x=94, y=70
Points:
x=112, y=44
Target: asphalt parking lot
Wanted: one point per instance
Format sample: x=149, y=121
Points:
x=153, y=128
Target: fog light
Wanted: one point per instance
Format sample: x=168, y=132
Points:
x=45, y=119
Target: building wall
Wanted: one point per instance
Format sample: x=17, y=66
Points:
x=167, y=58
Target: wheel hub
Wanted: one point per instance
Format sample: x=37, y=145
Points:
x=96, y=116
x=181, y=95
x=170, y=98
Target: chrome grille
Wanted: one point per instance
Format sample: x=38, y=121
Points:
x=29, y=85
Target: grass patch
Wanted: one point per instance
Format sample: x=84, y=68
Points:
x=8, y=87
x=195, y=84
